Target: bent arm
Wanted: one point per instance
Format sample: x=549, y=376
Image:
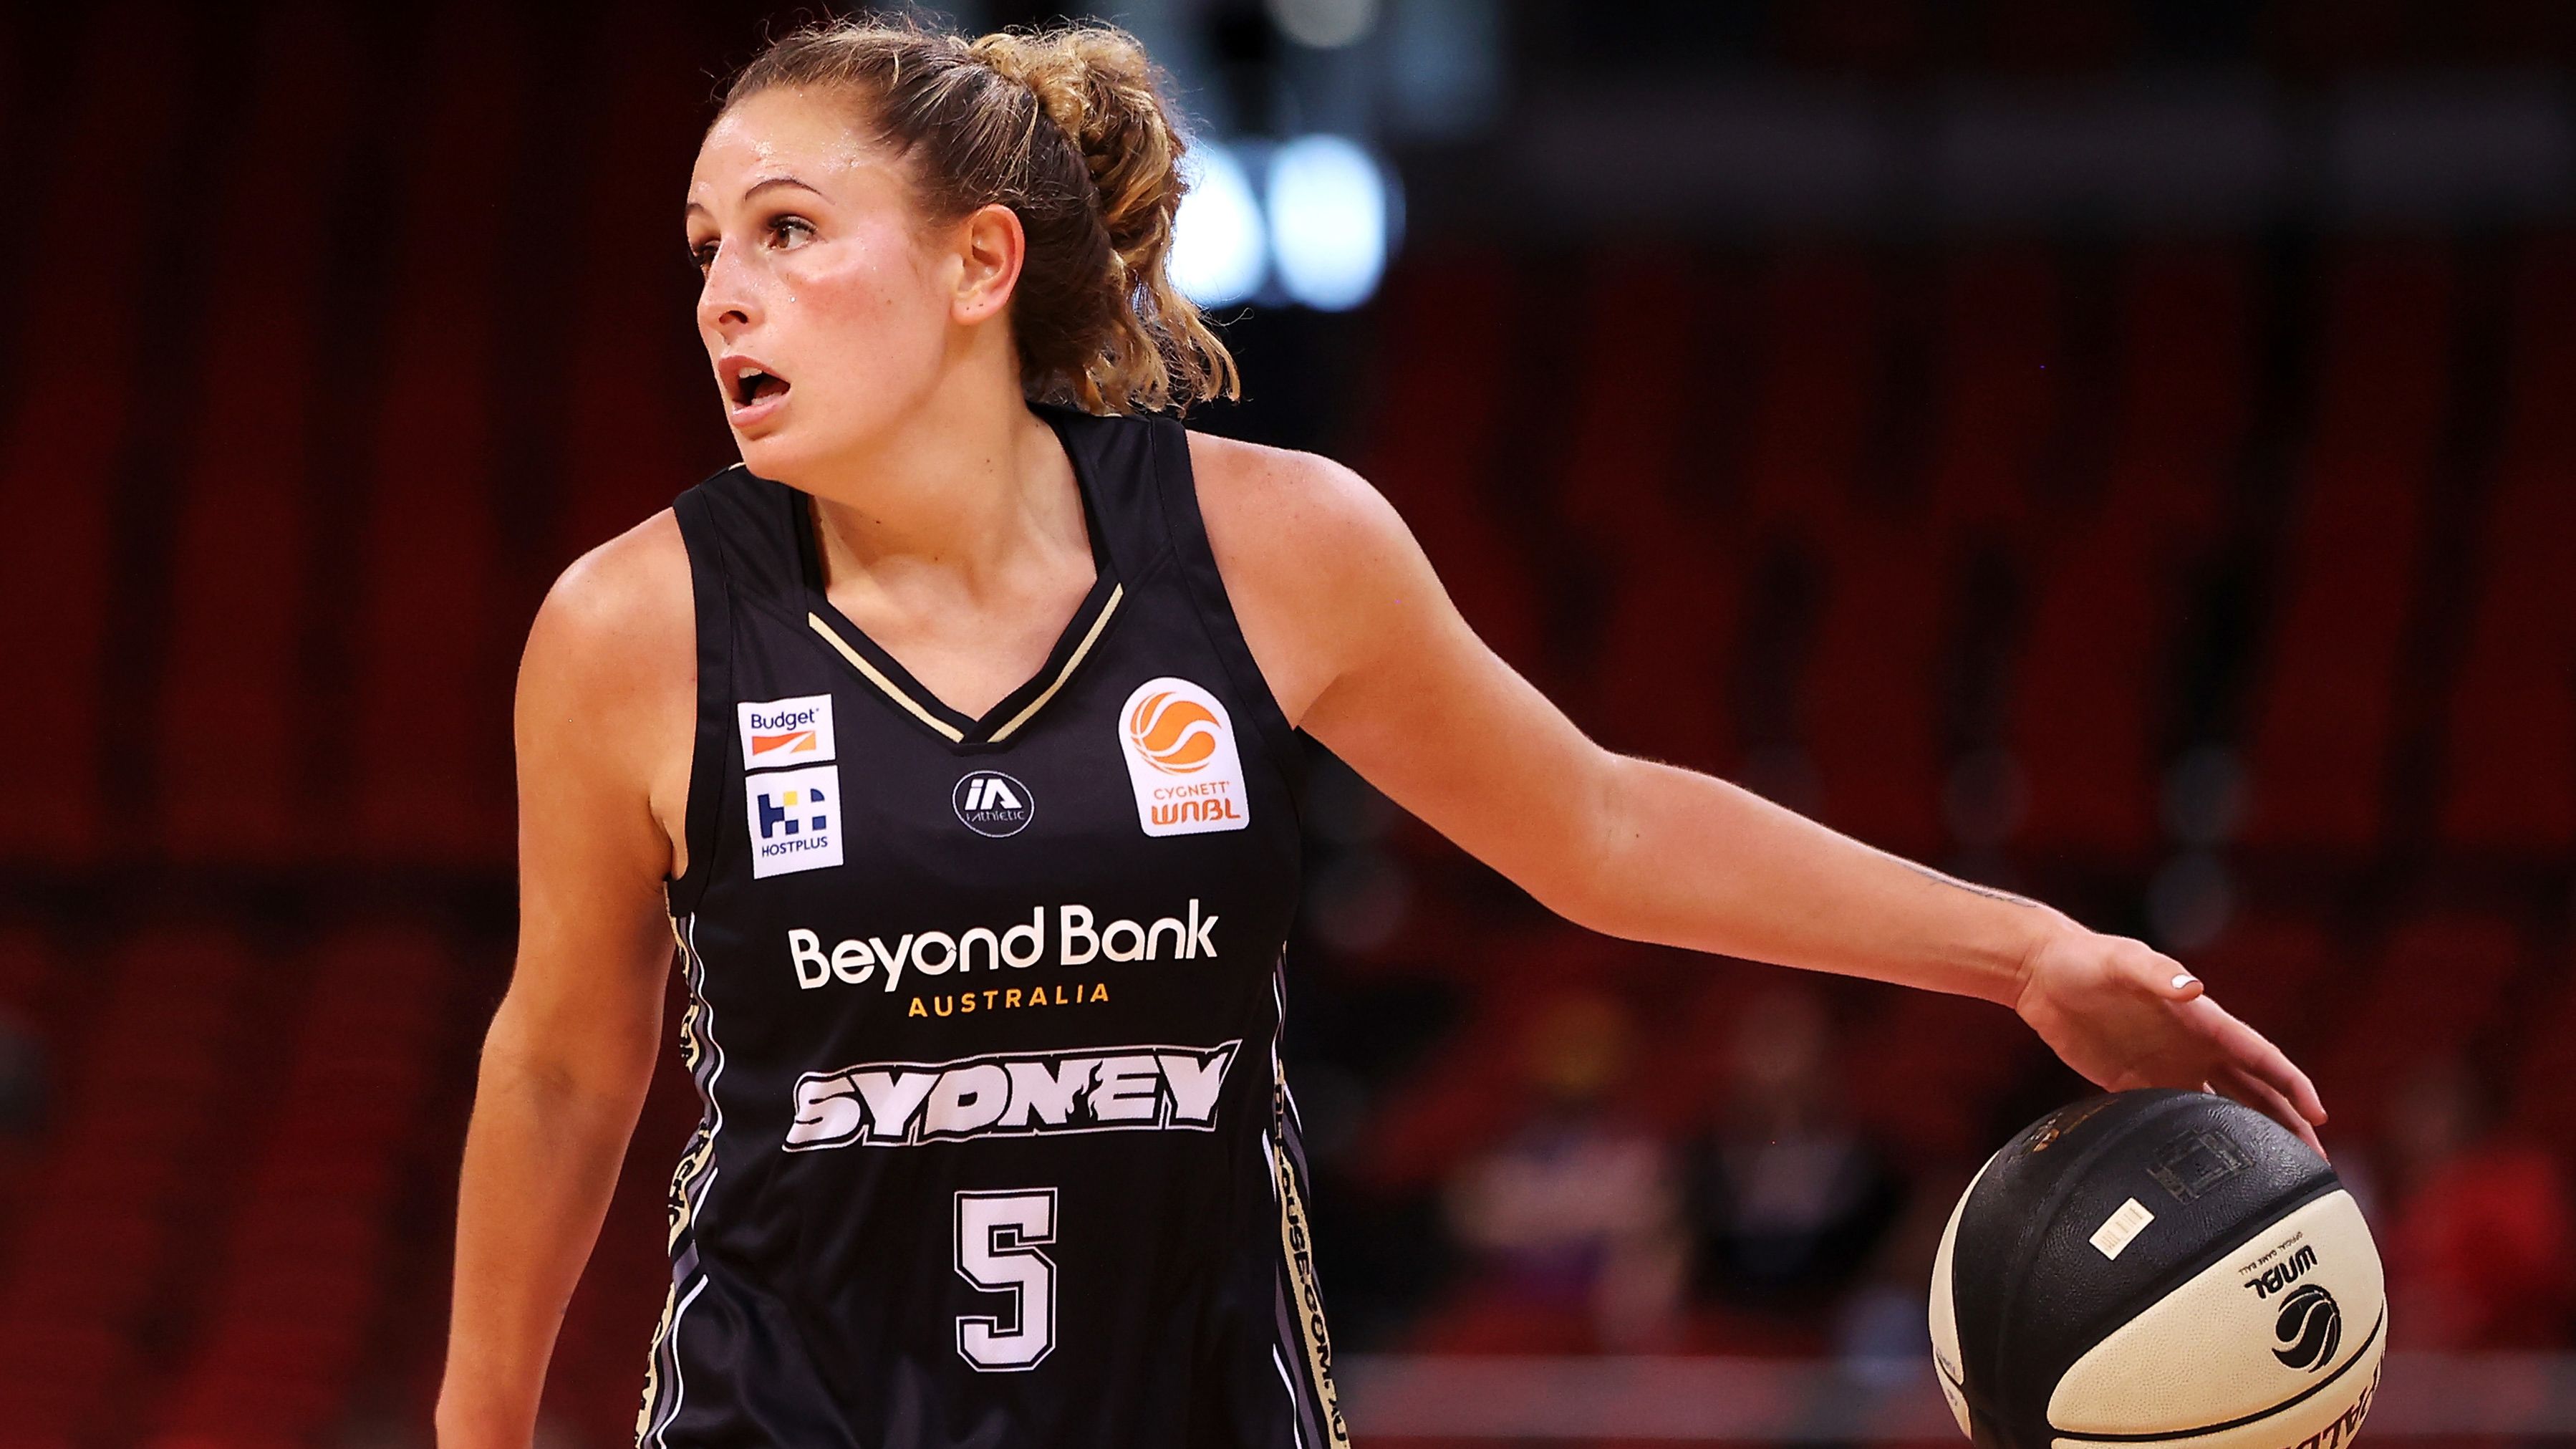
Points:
x=571, y=1049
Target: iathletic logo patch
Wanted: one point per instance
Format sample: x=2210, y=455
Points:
x=989, y=802
x=1024, y=1094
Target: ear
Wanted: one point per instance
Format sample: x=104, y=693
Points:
x=990, y=248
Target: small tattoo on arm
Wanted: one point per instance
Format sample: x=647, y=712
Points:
x=1971, y=887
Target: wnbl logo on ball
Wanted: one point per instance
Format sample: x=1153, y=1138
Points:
x=2310, y=1328
x=2282, y=1274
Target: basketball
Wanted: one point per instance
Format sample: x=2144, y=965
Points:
x=2158, y=1267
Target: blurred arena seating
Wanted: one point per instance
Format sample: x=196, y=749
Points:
x=2217, y=589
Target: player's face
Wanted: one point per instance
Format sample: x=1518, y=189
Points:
x=824, y=312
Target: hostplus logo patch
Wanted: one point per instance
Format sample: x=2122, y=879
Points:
x=791, y=798
x=795, y=819
x=992, y=803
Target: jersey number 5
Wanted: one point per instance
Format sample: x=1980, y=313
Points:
x=998, y=1234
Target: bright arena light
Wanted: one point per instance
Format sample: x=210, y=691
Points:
x=1328, y=221
x=1324, y=24
x=1218, y=251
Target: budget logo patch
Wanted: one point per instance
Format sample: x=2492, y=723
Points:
x=780, y=734
x=795, y=819
x=1181, y=759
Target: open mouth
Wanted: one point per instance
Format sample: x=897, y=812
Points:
x=756, y=385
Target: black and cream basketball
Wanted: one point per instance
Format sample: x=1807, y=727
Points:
x=2157, y=1268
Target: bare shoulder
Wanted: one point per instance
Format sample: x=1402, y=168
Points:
x=1269, y=505
x=626, y=601
x=607, y=706
x=1314, y=560
x=611, y=664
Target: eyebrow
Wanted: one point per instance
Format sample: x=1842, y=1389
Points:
x=757, y=187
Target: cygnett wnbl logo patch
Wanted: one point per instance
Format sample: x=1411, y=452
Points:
x=795, y=819
x=1179, y=747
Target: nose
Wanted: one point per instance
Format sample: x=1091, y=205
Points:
x=729, y=298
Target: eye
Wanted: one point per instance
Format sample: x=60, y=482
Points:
x=702, y=255
x=787, y=232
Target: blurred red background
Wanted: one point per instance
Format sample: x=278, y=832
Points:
x=2210, y=579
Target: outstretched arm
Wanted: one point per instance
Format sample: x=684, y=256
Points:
x=1369, y=655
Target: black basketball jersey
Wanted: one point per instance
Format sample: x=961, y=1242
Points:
x=984, y=1013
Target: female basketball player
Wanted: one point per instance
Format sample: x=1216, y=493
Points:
x=954, y=735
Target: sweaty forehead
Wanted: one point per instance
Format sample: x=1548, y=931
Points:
x=811, y=135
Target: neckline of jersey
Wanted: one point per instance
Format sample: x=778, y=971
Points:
x=873, y=663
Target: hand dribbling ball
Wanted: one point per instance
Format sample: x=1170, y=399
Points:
x=2158, y=1268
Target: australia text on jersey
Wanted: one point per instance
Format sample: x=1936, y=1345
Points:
x=1079, y=941
x=1017, y=1094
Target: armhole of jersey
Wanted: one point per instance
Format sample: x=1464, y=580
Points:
x=1178, y=484
x=707, y=753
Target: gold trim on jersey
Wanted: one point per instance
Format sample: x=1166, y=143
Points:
x=1299, y=1248
x=874, y=676
x=1071, y=662
x=645, y=1412
x=690, y=1177
x=950, y=732
x=693, y=1174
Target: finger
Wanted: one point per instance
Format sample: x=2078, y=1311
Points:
x=2254, y=1092
x=2254, y=1052
x=2267, y=1099
x=2164, y=976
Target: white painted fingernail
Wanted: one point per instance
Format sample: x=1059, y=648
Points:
x=2181, y=981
